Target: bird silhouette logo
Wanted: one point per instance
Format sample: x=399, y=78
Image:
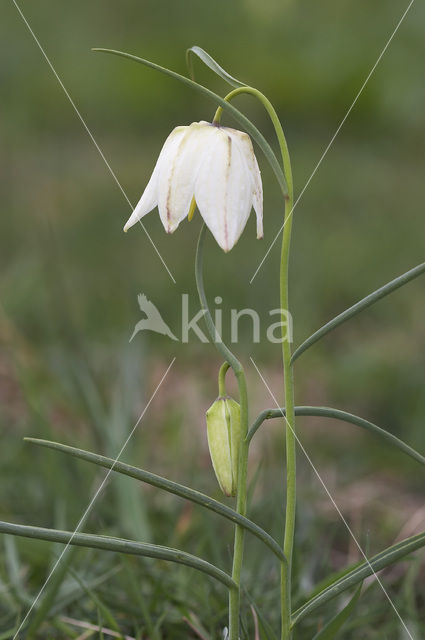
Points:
x=153, y=320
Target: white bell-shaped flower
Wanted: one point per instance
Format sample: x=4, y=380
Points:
x=214, y=166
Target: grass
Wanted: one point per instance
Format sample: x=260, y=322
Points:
x=150, y=599
x=68, y=286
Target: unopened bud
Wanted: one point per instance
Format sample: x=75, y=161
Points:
x=224, y=432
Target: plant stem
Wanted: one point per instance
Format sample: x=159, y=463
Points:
x=222, y=379
x=234, y=595
x=233, y=362
x=286, y=569
x=288, y=543
x=291, y=479
x=288, y=193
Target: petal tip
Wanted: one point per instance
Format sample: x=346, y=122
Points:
x=226, y=247
x=130, y=222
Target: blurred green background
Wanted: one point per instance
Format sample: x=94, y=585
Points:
x=69, y=281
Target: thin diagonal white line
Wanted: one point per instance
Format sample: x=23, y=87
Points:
x=83, y=122
x=93, y=500
x=350, y=531
x=334, y=136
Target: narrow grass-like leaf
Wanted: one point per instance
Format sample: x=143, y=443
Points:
x=140, y=599
x=358, y=307
x=8, y=634
x=167, y=485
x=332, y=577
x=15, y=573
x=69, y=632
x=238, y=115
x=383, y=559
x=211, y=64
x=330, y=629
x=50, y=593
x=74, y=593
x=100, y=625
x=8, y=600
x=266, y=628
x=118, y=545
x=344, y=416
x=101, y=607
x=52, y=588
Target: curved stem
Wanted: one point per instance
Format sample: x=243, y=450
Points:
x=222, y=379
x=267, y=414
x=216, y=340
x=239, y=117
x=286, y=355
x=277, y=127
x=233, y=362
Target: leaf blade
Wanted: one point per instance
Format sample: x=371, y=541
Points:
x=344, y=416
x=238, y=115
x=330, y=630
x=167, y=485
x=212, y=64
x=361, y=571
x=358, y=307
x=119, y=545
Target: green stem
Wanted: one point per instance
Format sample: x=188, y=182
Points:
x=241, y=498
x=286, y=355
x=288, y=543
x=239, y=117
x=277, y=127
x=222, y=379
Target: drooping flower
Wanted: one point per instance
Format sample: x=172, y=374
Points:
x=213, y=166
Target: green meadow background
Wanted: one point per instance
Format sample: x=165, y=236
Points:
x=69, y=280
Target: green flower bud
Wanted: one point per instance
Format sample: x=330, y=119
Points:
x=224, y=434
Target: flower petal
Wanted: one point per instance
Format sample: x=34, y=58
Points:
x=178, y=174
x=149, y=199
x=245, y=145
x=223, y=190
x=257, y=197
